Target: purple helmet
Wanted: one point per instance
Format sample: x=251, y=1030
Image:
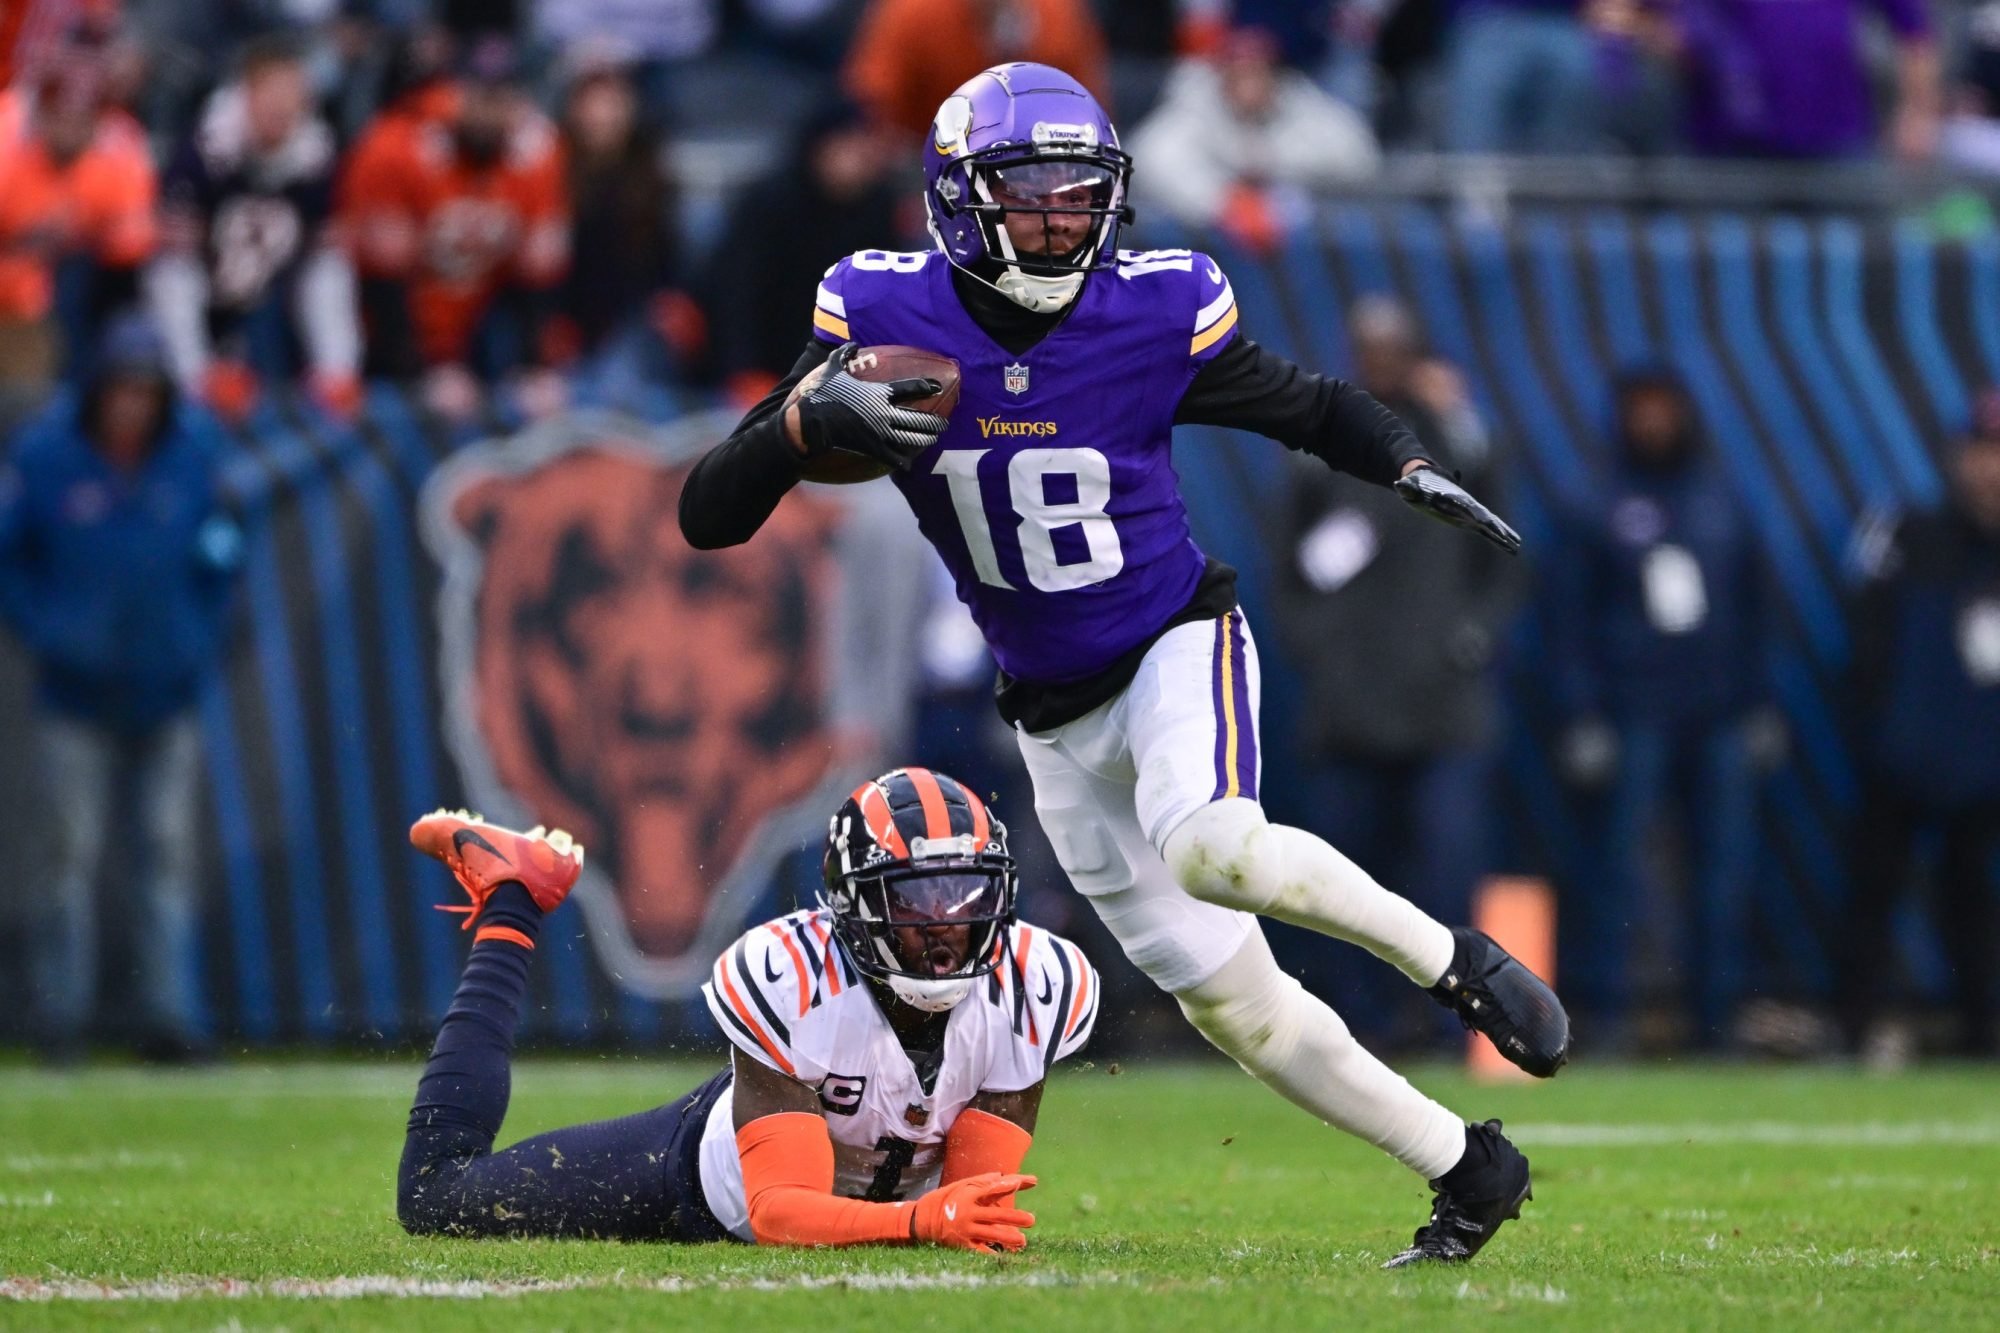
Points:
x=1025, y=139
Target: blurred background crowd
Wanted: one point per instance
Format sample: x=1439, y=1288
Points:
x=507, y=208
x=515, y=195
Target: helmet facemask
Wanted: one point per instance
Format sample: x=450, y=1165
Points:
x=1064, y=209
x=927, y=931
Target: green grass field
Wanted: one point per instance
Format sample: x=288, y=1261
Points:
x=1172, y=1197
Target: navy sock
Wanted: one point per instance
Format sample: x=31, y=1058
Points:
x=462, y=1096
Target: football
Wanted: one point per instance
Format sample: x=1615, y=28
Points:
x=879, y=365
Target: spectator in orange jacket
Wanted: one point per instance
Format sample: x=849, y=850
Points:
x=76, y=183
x=909, y=55
x=455, y=206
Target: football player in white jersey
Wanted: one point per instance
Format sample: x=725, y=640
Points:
x=889, y=1051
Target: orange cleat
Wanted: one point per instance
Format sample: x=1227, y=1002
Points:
x=483, y=856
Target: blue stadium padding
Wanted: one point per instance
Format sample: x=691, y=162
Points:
x=1547, y=436
x=1354, y=230
x=388, y=411
x=1259, y=314
x=1817, y=610
x=1436, y=296
x=1302, y=264
x=299, y=838
x=1672, y=249
x=391, y=413
x=243, y=883
x=1916, y=310
x=419, y=881
x=567, y=954
x=1983, y=258
x=1840, y=249
x=1788, y=249
x=1437, y=302
x=1619, y=307
x=1785, y=426
x=1552, y=257
x=349, y=732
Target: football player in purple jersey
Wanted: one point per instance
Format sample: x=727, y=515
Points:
x=1126, y=667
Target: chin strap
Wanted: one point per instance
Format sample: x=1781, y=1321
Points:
x=1043, y=295
x=933, y=997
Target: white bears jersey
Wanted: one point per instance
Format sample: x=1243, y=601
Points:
x=785, y=995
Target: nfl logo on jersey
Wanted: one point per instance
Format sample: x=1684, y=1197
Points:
x=1015, y=377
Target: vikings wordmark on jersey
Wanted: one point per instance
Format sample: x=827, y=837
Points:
x=786, y=996
x=1045, y=486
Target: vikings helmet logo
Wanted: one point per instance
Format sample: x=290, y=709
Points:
x=953, y=123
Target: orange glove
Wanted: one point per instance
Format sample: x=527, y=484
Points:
x=976, y=1213
x=230, y=387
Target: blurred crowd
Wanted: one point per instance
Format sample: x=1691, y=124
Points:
x=211, y=204
x=1657, y=638
x=516, y=198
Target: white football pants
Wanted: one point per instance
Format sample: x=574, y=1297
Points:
x=1166, y=774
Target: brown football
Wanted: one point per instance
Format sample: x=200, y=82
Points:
x=879, y=365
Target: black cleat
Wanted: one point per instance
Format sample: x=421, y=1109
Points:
x=1493, y=993
x=1473, y=1199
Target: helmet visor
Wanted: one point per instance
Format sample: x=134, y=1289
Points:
x=949, y=898
x=1056, y=186
x=937, y=923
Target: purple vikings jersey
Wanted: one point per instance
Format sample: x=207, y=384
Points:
x=1052, y=494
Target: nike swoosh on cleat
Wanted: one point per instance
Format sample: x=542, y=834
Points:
x=473, y=836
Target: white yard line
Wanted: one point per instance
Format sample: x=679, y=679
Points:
x=122, y=1160
x=406, y=1288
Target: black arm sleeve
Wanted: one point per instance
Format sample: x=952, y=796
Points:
x=1249, y=388
x=737, y=484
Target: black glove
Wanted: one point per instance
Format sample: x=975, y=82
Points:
x=1444, y=499
x=842, y=412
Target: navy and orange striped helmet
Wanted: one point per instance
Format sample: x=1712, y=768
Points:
x=910, y=856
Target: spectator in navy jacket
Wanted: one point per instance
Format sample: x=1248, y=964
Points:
x=1660, y=667
x=1394, y=627
x=116, y=568
x=1926, y=709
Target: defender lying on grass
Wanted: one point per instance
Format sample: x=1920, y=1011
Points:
x=890, y=1049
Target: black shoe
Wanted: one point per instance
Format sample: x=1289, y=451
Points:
x=1494, y=994
x=1473, y=1199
